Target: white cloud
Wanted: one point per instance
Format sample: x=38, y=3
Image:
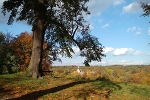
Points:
x=125, y=61
x=106, y=25
x=131, y=29
x=96, y=6
x=132, y=8
x=149, y=31
x=138, y=52
x=100, y=21
x=108, y=49
x=137, y=33
x=103, y=62
x=139, y=63
x=147, y=53
x=118, y=2
x=128, y=62
x=76, y=51
x=122, y=51
x=141, y=53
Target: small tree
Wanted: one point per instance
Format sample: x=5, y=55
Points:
x=22, y=47
x=7, y=57
x=86, y=63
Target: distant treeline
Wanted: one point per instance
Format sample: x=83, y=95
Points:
x=116, y=73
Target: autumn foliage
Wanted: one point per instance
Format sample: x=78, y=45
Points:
x=22, y=49
x=115, y=82
x=116, y=73
x=18, y=51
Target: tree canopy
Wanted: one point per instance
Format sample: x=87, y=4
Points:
x=61, y=22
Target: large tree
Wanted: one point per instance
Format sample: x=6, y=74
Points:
x=63, y=24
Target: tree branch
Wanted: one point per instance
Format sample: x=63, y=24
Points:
x=74, y=32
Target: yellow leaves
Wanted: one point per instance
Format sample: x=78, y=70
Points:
x=109, y=71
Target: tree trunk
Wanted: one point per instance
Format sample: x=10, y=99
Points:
x=35, y=66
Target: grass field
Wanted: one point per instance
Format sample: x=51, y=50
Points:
x=66, y=84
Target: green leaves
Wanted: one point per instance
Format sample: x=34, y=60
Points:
x=64, y=25
x=7, y=57
x=12, y=7
x=90, y=48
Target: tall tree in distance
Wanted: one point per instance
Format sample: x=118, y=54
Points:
x=63, y=24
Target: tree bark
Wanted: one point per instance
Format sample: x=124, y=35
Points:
x=36, y=57
x=35, y=66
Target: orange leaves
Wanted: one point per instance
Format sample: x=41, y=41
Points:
x=22, y=46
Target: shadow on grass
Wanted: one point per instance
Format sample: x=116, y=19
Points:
x=35, y=95
x=6, y=81
x=101, y=85
x=106, y=85
x=9, y=80
x=142, y=91
x=102, y=88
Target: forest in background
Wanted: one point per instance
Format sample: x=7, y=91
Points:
x=116, y=73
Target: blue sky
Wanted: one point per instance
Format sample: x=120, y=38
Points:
x=118, y=25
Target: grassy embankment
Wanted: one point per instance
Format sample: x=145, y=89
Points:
x=97, y=83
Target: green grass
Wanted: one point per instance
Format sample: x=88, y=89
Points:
x=19, y=87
